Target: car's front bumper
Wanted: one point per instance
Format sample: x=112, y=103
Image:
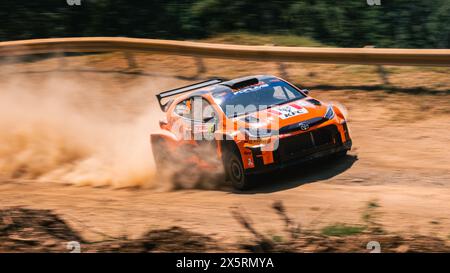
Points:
x=304, y=147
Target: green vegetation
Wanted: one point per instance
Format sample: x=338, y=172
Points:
x=277, y=238
x=373, y=204
x=342, y=230
x=245, y=38
x=399, y=23
x=369, y=211
x=366, y=216
x=370, y=215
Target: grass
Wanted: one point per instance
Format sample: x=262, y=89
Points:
x=373, y=204
x=277, y=238
x=367, y=215
x=342, y=230
x=246, y=38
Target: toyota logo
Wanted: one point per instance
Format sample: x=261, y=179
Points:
x=303, y=126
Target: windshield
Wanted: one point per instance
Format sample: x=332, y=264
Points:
x=256, y=97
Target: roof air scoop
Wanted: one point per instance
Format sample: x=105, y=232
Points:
x=241, y=84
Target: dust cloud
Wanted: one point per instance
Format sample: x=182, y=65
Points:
x=77, y=130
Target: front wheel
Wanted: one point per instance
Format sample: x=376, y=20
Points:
x=235, y=172
x=340, y=154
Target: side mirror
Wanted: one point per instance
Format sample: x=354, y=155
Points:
x=306, y=91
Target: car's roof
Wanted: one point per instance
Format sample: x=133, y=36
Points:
x=224, y=86
x=258, y=77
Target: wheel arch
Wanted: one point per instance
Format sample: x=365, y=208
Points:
x=156, y=139
x=162, y=146
x=229, y=145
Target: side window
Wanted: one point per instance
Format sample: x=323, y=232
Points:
x=283, y=93
x=203, y=110
x=290, y=95
x=184, y=108
x=278, y=93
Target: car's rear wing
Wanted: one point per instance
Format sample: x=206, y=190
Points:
x=183, y=89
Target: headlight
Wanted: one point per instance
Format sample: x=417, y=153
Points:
x=330, y=112
x=258, y=136
x=257, y=133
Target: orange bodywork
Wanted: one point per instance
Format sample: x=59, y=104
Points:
x=301, y=122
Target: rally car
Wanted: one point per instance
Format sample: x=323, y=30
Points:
x=246, y=126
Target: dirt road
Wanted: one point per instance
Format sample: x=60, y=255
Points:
x=400, y=162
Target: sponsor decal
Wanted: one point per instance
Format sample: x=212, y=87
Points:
x=303, y=103
x=303, y=126
x=250, y=163
x=289, y=111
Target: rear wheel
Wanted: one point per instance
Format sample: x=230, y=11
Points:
x=160, y=155
x=164, y=160
x=235, y=171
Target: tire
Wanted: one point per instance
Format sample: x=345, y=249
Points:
x=340, y=154
x=185, y=178
x=235, y=172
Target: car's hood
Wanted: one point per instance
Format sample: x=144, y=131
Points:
x=285, y=114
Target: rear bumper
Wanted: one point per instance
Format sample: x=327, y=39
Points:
x=296, y=150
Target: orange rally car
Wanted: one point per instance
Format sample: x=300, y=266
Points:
x=246, y=126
